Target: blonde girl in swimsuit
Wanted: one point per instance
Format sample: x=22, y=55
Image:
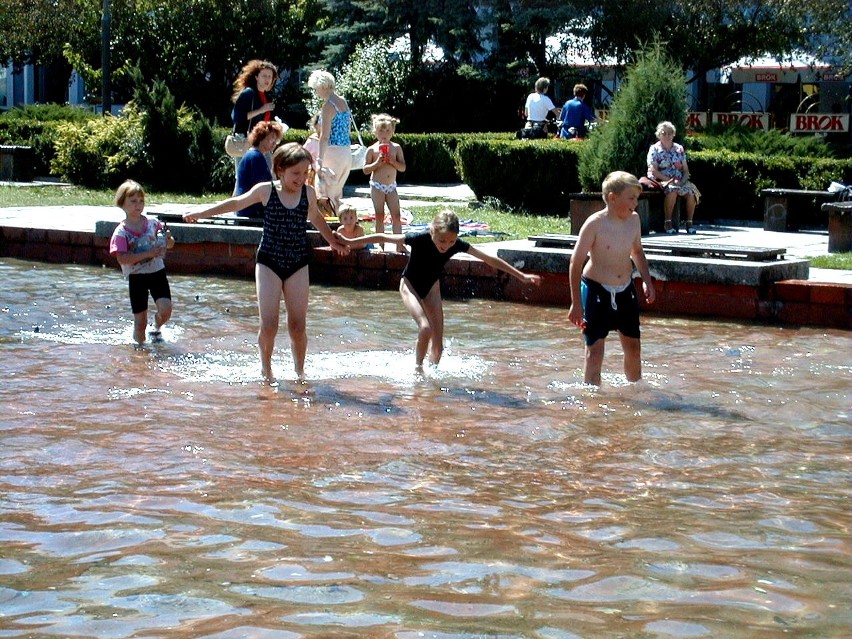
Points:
x=420, y=286
x=384, y=161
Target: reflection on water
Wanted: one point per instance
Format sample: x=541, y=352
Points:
x=165, y=492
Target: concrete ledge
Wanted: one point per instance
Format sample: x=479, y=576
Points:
x=197, y=233
x=698, y=270
x=703, y=288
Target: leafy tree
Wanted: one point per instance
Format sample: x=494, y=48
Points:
x=35, y=31
x=375, y=79
x=654, y=90
x=197, y=47
x=521, y=32
x=706, y=34
x=450, y=24
x=828, y=33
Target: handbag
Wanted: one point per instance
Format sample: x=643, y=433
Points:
x=359, y=151
x=650, y=184
x=236, y=145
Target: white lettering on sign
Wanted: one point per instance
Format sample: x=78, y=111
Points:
x=751, y=120
x=819, y=123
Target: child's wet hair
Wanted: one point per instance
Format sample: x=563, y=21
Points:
x=128, y=188
x=618, y=181
x=347, y=208
x=383, y=121
x=288, y=155
x=445, y=221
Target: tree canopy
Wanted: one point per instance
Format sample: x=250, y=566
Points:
x=198, y=46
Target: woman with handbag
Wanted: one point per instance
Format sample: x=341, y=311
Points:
x=334, y=161
x=252, y=102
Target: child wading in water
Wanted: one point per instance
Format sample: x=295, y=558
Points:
x=603, y=297
x=281, y=268
x=420, y=286
x=384, y=160
x=139, y=244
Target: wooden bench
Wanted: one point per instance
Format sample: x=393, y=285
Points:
x=839, y=226
x=16, y=163
x=677, y=247
x=790, y=209
x=226, y=218
x=650, y=210
x=229, y=219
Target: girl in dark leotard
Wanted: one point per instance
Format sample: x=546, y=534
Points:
x=283, y=254
x=420, y=286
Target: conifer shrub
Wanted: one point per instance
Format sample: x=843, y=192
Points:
x=654, y=90
x=151, y=140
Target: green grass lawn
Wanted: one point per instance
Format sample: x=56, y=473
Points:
x=516, y=225
x=841, y=261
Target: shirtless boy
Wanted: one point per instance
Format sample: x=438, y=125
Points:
x=603, y=296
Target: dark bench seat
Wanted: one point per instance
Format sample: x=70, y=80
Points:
x=16, y=163
x=650, y=210
x=839, y=226
x=676, y=246
x=790, y=209
x=225, y=218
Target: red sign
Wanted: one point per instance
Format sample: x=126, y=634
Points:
x=819, y=123
x=696, y=120
x=751, y=120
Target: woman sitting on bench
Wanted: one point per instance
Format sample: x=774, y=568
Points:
x=667, y=165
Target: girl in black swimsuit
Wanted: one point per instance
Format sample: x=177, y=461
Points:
x=420, y=286
x=283, y=254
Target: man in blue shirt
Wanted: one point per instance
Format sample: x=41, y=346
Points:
x=575, y=114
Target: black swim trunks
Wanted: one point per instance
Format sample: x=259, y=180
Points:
x=604, y=311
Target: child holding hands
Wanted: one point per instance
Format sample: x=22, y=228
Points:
x=603, y=296
x=281, y=269
x=384, y=160
x=349, y=226
x=139, y=244
x=420, y=286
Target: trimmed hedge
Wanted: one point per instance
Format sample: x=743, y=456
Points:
x=536, y=175
x=41, y=136
x=532, y=175
x=37, y=126
x=730, y=183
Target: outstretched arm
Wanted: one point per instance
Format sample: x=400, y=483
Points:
x=259, y=194
x=502, y=265
x=359, y=242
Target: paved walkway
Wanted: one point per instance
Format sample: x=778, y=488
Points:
x=458, y=196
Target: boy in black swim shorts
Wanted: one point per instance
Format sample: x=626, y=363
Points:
x=603, y=296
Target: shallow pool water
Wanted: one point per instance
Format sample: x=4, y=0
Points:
x=164, y=492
